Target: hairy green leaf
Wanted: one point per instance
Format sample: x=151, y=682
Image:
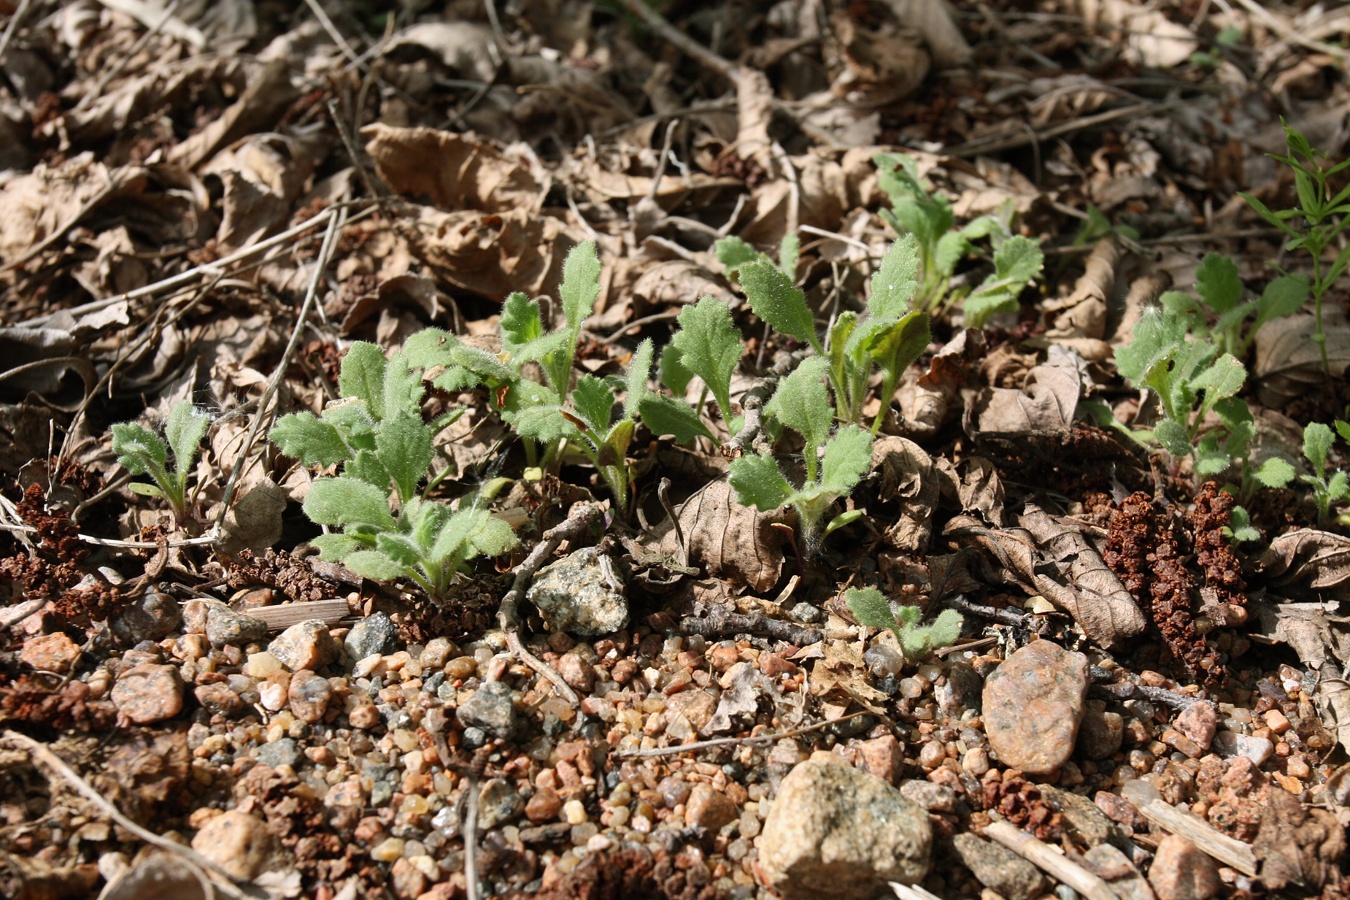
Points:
x=404, y=447
x=184, y=428
x=666, y=415
x=138, y=449
x=362, y=375
x=732, y=253
x=374, y=564
x=802, y=402
x=758, y=482
x=775, y=299
x=848, y=456
x=581, y=284
x=1217, y=282
x=639, y=370
x=313, y=441
x=896, y=280
x=871, y=608
x=593, y=401
x=674, y=373
x=710, y=346
x=348, y=501
x=1317, y=441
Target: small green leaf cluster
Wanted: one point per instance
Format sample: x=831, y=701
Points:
x=554, y=413
x=1191, y=378
x=928, y=216
x=1316, y=222
x=143, y=452
x=872, y=609
x=834, y=464
x=1235, y=320
x=1317, y=440
x=888, y=336
x=378, y=435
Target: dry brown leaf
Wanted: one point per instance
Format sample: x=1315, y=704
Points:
x=1096, y=599
x=464, y=47
x=491, y=254
x=1044, y=406
x=40, y=362
x=267, y=93
x=842, y=670
x=1082, y=314
x=455, y=171
x=1150, y=37
x=927, y=401
x=36, y=206
x=1313, y=560
x=735, y=542
x=1288, y=363
x=880, y=59
x=906, y=477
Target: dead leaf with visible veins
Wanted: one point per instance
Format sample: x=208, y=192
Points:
x=906, y=492
x=455, y=171
x=1309, y=559
x=842, y=670
x=1288, y=363
x=926, y=401
x=1045, y=405
x=731, y=541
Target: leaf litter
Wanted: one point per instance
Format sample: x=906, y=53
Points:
x=181, y=179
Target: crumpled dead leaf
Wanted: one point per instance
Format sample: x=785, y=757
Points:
x=744, y=685
x=1049, y=558
x=1045, y=405
x=39, y=361
x=842, y=670
x=731, y=541
x=927, y=401
x=1150, y=37
x=159, y=876
x=456, y=171
x=1288, y=363
x=1307, y=558
x=1081, y=316
x=905, y=477
x=490, y=254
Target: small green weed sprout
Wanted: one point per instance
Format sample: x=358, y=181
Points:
x=143, y=452
x=1323, y=214
x=833, y=464
x=888, y=337
x=554, y=413
x=1317, y=440
x=928, y=216
x=872, y=609
x=1191, y=378
x=378, y=435
x=1233, y=329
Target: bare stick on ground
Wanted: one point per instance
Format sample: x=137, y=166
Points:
x=581, y=517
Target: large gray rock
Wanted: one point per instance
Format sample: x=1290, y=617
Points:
x=373, y=634
x=576, y=595
x=835, y=831
x=491, y=708
x=226, y=626
x=998, y=868
x=1033, y=704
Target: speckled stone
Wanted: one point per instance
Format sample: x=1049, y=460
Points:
x=225, y=626
x=370, y=636
x=305, y=645
x=50, y=653
x=492, y=709
x=283, y=752
x=1033, y=704
x=238, y=842
x=1198, y=722
x=836, y=831
x=998, y=868
x=308, y=696
x=1101, y=732
x=1181, y=871
x=148, y=693
x=151, y=616
x=708, y=808
x=574, y=595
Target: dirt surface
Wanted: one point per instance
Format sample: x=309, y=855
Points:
x=212, y=202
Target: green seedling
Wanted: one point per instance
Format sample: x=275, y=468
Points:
x=143, y=452
x=1221, y=315
x=1239, y=529
x=1228, y=449
x=708, y=345
x=377, y=434
x=833, y=464
x=1316, y=223
x=888, y=336
x=1317, y=440
x=871, y=608
x=554, y=413
x=928, y=216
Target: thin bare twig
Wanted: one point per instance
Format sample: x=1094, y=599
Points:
x=728, y=741
x=13, y=26
x=320, y=264
x=41, y=754
x=114, y=542
x=686, y=45
x=580, y=518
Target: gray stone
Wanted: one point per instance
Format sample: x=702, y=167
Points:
x=575, y=595
x=836, y=831
x=1102, y=731
x=228, y=626
x=1081, y=815
x=282, y=752
x=807, y=613
x=305, y=645
x=151, y=616
x=998, y=868
x=491, y=709
x=1033, y=704
x=1229, y=744
x=373, y=634
x=959, y=691
x=498, y=804
x=932, y=797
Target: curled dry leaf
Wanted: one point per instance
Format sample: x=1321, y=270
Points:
x=1081, y=316
x=1289, y=365
x=1045, y=405
x=491, y=254
x=39, y=361
x=927, y=401
x=907, y=478
x=454, y=171
x=1309, y=559
x=732, y=541
x=159, y=876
